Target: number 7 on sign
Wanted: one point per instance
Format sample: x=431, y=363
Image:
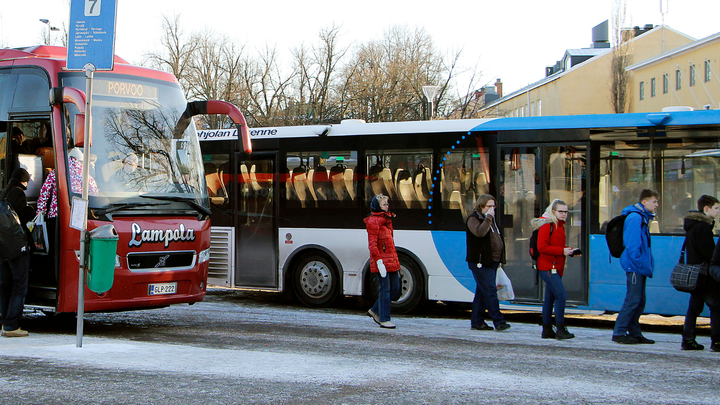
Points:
x=92, y=8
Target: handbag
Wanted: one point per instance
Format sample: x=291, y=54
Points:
x=685, y=277
x=504, y=286
x=38, y=229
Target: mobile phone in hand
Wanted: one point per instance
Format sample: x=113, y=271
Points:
x=576, y=252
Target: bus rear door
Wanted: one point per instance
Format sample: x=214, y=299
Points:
x=255, y=220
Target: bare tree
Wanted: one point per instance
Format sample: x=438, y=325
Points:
x=177, y=51
x=317, y=98
x=384, y=80
x=621, y=59
x=267, y=89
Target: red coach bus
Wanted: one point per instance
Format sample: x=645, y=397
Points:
x=146, y=170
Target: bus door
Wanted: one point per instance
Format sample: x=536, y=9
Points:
x=532, y=176
x=255, y=221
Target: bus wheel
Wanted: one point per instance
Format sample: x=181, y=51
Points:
x=412, y=286
x=316, y=282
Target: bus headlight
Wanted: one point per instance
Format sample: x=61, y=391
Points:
x=204, y=256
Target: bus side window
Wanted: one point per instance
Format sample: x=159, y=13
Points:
x=323, y=179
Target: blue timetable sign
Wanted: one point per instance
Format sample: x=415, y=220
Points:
x=92, y=34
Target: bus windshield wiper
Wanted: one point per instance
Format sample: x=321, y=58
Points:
x=119, y=206
x=196, y=206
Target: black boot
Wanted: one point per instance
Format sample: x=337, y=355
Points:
x=562, y=332
x=548, y=332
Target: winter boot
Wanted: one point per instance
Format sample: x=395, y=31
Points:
x=562, y=332
x=548, y=332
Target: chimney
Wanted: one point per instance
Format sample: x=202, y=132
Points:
x=498, y=87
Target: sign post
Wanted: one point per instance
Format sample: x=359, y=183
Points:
x=91, y=47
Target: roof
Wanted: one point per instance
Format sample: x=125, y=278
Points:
x=675, y=52
x=586, y=51
x=558, y=75
x=597, y=121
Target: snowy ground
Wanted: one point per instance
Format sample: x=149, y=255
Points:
x=229, y=350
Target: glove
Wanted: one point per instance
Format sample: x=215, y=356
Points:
x=381, y=268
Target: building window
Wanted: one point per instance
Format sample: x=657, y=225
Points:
x=692, y=75
x=678, y=79
x=539, y=108
x=652, y=87
x=642, y=90
x=707, y=71
x=532, y=109
x=666, y=83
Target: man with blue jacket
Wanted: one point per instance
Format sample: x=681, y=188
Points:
x=637, y=261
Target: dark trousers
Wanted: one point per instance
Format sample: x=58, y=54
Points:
x=388, y=291
x=628, y=319
x=485, y=295
x=13, y=289
x=695, y=307
x=554, y=294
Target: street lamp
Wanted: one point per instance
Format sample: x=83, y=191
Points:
x=430, y=93
x=50, y=29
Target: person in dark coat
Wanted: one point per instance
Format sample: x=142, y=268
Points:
x=384, y=263
x=485, y=252
x=699, y=248
x=14, y=273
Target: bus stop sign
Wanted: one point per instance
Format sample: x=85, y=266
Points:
x=92, y=34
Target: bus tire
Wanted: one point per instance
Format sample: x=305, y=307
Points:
x=315, y=281
x=412, y=286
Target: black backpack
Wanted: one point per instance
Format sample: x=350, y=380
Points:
x=534, y=252
x=614, y=235
x=13, y=241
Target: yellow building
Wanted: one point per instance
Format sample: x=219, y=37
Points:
x=686, y=76
x=585, y=87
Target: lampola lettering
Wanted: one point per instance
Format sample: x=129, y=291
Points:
x=158, y=235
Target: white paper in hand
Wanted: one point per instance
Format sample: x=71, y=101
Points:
x=381, y=268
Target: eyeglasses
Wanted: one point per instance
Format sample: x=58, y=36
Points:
x=489, y=206
x=562, y=212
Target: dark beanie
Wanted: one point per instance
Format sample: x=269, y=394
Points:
x=20, y=175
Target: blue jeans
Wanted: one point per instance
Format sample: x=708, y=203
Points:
x=628, y=320
x=485, y=295
x=13, y=289
x=388, y=290
x=554, y=294
x=695, y=307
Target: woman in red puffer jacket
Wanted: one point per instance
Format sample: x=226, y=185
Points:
x=384, y=263
x=551, y=265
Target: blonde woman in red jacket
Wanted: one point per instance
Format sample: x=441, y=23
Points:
x=384, y=261
x=551, y=265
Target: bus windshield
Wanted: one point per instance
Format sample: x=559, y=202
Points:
x=140, y=146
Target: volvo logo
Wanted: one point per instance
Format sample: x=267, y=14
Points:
x=162, y=260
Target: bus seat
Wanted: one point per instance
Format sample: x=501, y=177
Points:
x=109, y=168
x=289, y=187
x=244, y=179
x=214, y=185
x=428, y=177
x=349, y=177
x=337, y=178
x=321, y=184
x=654, y=226
x=480, y=183
x=421, y=189
x=48, y=156
x=300, y=184
x=387, y=180
x=253, y=179
x=465, y=179
x=406, y=190
x=455, y=200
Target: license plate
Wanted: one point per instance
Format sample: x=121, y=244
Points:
x=164, y=288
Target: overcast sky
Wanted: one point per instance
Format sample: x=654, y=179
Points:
x=512, y=39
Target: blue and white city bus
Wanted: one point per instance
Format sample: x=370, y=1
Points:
x=289, y=217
